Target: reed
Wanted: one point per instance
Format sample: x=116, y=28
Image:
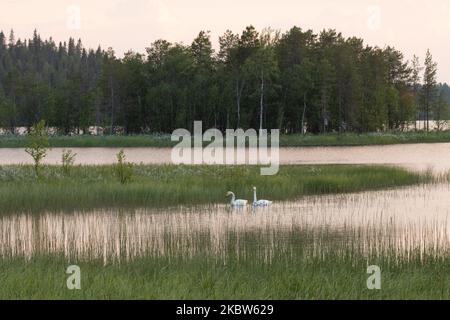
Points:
x=164, y=255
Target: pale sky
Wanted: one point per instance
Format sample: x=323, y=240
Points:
x=411, y=26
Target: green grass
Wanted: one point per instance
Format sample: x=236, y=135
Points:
x=364, y=139
x=202, y=277
x=163, y=141
x=88, y=141
x=89, y=187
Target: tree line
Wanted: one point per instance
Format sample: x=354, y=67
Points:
x=297, y=81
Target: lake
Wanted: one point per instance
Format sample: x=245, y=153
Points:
x=400, y=221
x=415, y=156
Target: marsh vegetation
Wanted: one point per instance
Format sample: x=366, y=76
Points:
x=170, y=185
x=294, y=140
x=318, y=247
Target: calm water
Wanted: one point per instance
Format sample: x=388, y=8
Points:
x=416, y=156
x=403, y=221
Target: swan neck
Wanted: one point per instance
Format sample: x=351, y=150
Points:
x=233, y=198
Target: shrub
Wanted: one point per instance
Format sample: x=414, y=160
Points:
x=123, y=169
x=68, y=159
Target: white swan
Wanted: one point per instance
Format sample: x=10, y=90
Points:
x=238, y=202
x=260, y=203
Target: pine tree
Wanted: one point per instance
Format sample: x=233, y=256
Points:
x=429, y=86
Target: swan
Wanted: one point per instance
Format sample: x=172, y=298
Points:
x=238, y=202
x=260, y=203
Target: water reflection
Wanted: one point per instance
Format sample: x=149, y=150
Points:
x=414, y=156
x=404, y=221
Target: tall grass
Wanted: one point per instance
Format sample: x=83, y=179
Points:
x=296, y=140
x=168, y=185
x=204, y=277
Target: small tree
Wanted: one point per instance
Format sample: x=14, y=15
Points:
x=68, y=159
x=37, y=144
x=429, y=87
x=124, y=170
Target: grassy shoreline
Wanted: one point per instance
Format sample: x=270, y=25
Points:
x=87, y=187
x=201, y=277
x=163, y=141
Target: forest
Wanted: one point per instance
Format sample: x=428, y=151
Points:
x=297, y=81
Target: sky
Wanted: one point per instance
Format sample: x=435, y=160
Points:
x=411, y=26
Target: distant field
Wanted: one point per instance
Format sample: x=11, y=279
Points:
x=163, y=141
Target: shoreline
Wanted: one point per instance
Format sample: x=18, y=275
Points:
x=90, y=187
x=295, y=140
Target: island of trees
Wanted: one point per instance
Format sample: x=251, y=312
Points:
x=297, y=81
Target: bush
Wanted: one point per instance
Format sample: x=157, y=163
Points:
x=68, y=159
x=123, y=170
